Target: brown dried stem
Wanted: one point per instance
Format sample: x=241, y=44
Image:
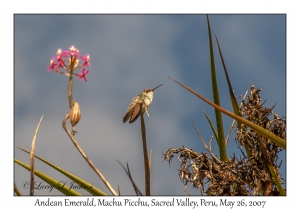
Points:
x=145, y=151
x=86, y=158
x=32, y=158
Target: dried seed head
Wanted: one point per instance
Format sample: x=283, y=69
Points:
x=75, y=113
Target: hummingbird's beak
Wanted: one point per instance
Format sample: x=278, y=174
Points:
x=156, y=87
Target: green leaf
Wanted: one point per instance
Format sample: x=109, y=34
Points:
x=80, y=182
x=62, y=188
x=219, y=119
x=18, y=193
x=212, y=127
x=233, y=100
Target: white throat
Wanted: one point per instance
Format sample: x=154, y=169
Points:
x=148, y=98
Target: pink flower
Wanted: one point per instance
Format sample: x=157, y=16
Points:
x=61, y=54
x=52, y=65
x=74, y=51
x=82, y=74
x=86, y=60
x=61, y=63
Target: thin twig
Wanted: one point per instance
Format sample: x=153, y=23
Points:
x=209, y=150
x=66, y=74
x=32, y=158
x=86, y=158
x=119, y=191
x=231, y=127
x=136, y=189
x=187, y=192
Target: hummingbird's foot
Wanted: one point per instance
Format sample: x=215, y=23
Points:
x=147, y=112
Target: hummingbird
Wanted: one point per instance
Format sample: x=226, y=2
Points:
x=145, y=98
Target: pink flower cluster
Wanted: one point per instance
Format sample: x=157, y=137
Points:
x=58, y=62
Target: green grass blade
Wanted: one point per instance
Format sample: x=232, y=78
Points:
x=277, y=181
x=80, y=182
x=233, y=100
x=62, y=188
x=18, y=193
x=212, y=126
x=219, y=119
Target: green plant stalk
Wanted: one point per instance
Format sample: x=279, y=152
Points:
x=277, y=140
x=63, y=189
x=145, y=150
x=219, y=119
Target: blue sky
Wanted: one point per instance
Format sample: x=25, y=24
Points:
x=130, y=53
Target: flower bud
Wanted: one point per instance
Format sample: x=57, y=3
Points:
x=75, y=113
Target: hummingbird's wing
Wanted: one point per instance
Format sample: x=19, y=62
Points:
x=135, y=112
x=126, y=116
x=130, y=109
